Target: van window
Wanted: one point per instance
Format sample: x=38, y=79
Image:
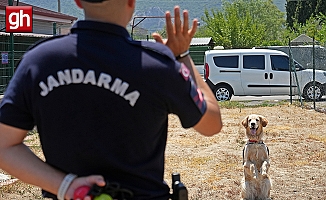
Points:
x=254, y=62
x=280, y=63
x=226, y=61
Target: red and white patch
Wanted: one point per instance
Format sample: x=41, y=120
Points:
x=198, y=97
x=185, y=72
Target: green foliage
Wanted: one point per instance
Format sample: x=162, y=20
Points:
x=300, y=11
x=321, y=35
x=144, y=7
x=233, y=23
x=313, y=27
x=244, y=23
x=250, y=104
x=231, y=104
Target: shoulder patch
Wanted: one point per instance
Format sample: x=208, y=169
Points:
x=185, y=72
x=198, y=97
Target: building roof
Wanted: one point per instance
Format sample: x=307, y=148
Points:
x=303, y=40
x=26, y=35
x=194, y=41
x=202, y=41
x=40, y=11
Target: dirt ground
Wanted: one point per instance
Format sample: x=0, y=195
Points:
x=211, y=167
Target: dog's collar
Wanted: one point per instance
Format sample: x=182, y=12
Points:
x=255, y=141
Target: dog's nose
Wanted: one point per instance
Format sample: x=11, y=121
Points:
x=253, y=124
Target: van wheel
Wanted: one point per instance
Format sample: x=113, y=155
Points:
x=223, y=93
x=308, y=92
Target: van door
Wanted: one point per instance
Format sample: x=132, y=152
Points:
x=225, y=69
x=254, y=75
x=280, y=76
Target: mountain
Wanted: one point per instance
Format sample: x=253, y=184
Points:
x=67, y=6
x=146, y=8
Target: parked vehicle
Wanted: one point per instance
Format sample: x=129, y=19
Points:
x=200, y=69
x=259, y=72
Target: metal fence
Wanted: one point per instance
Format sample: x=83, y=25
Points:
x=313, y=57
x=12, y=53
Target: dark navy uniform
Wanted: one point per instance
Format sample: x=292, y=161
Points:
x=101, y=102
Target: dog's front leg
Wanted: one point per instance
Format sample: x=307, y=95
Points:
x=248, y=166
x=264, y=168
x=254, y=170
x=249, y=169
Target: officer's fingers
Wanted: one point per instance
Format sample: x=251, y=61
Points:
x=158, y=38
x=193, y=29
x=169, y=26
x=87, y=198
x=177, y=20
x=95, y=179
x=185, y=22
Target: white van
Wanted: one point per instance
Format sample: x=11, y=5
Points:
x=259, y=72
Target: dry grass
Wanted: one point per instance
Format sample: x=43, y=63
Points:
x=211, y=167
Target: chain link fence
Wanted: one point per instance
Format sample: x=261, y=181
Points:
x=11, y=53
x=312, y=57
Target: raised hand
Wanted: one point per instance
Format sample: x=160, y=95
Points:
x=178, y=34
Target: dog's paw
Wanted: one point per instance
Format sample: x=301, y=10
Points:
x=248, y=172
x=264, y=174
x=253, y=169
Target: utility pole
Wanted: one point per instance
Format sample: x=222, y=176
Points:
x=55, y=24
x=59, y=6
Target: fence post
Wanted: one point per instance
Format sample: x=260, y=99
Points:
x=11, y=47
x=290, y=70
x=314, y=71
x=54, y=28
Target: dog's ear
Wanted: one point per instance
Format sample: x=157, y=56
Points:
x=244, y=122
x=264, y=121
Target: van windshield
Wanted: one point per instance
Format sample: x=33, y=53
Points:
x=281, y=63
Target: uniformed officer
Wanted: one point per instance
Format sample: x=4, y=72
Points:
x=101, y=102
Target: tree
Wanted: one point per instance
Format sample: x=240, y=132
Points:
x=244, y=23
x=300, y=11
x=313, y=27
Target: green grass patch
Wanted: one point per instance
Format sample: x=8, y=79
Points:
x=231, y=104
x=250, y=104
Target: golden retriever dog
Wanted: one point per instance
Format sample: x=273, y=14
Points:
x=256, y=183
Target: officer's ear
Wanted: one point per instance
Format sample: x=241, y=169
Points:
x=132, y=3
x=78, y=3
